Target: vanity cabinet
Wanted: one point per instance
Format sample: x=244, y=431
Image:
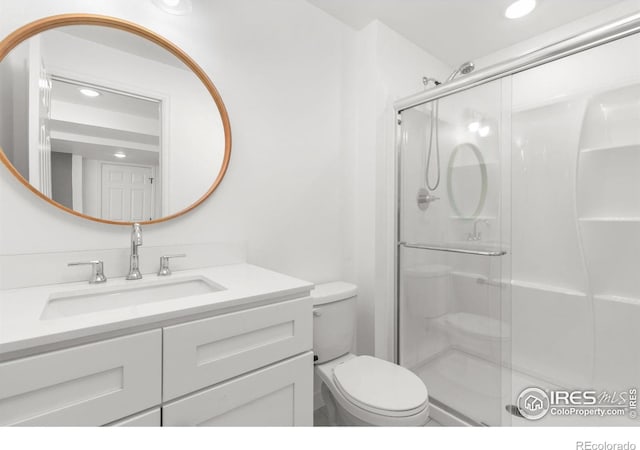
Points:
x=278, y=395
x=91, y=384
x=251, y=367
x=204, y=352
x=151, y=418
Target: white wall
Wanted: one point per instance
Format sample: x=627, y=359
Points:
x=279, y=67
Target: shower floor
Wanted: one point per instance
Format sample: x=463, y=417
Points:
x=481, y=390
x=470, y=385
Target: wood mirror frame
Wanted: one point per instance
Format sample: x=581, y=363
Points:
x=27, y=31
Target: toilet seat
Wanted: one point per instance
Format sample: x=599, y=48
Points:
x=364, y=412
x=381, y=387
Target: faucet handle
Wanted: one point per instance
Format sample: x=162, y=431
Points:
x=97, y=272
x=164, y=264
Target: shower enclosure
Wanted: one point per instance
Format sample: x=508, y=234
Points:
x=522, y=268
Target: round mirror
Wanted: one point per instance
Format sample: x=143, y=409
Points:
x=109, y=121
x=467, y=180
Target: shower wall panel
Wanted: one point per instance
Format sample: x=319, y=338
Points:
x=576, y=225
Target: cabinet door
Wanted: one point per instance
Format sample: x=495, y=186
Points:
x=92, y=384
x=278, y=395
x=145, y=419
x=205, y=352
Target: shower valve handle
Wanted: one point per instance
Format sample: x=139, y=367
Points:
x=424, y=198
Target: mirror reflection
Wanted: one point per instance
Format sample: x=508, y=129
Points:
x=109, y=124
x=467, y=180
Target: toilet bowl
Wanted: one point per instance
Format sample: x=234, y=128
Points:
x=359, y=390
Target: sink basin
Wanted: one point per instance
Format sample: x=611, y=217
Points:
x=102, y=298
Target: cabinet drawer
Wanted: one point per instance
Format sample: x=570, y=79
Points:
x=201, y=353
x=146, y=419
x=278, y=395
x=92, y=384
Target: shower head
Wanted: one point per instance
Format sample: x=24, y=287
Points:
x=467, y=68
x=464, y=69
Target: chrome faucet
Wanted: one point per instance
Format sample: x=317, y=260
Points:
x=97, y=270
x=476, y=235
x=134, y=261
x=164, y=264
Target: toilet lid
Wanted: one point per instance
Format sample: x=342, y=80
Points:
x=381, y=387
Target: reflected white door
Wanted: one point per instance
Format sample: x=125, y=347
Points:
x=127, y=193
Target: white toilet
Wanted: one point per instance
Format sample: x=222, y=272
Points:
x=359, y=390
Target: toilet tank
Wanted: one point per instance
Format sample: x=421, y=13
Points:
x=334, y=319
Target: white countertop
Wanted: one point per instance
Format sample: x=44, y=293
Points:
x=21, y=326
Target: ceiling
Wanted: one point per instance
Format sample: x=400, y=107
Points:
x=108, y=100
x=105, y=152
x=460, y=30
x=125, y=42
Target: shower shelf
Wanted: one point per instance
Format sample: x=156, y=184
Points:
x=472, y=218
x=475, y=165
x=610, y=219
x=611, y=148
x=608, y=187
x=617, y=299
x=478, y=325
x=536, y=286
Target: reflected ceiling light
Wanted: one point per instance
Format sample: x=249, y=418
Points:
x=484, y=131
x=89, y=92
x=473, y=126
x=519, y=9
x=120, y=155
x=178, y=7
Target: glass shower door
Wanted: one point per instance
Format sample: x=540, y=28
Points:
x=576, y=233
x=453, y=318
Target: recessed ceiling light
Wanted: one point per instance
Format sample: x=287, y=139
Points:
x=89, y=92
x=120, y=155
x=519, y=9
x=484, y=131
x=178, y=7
